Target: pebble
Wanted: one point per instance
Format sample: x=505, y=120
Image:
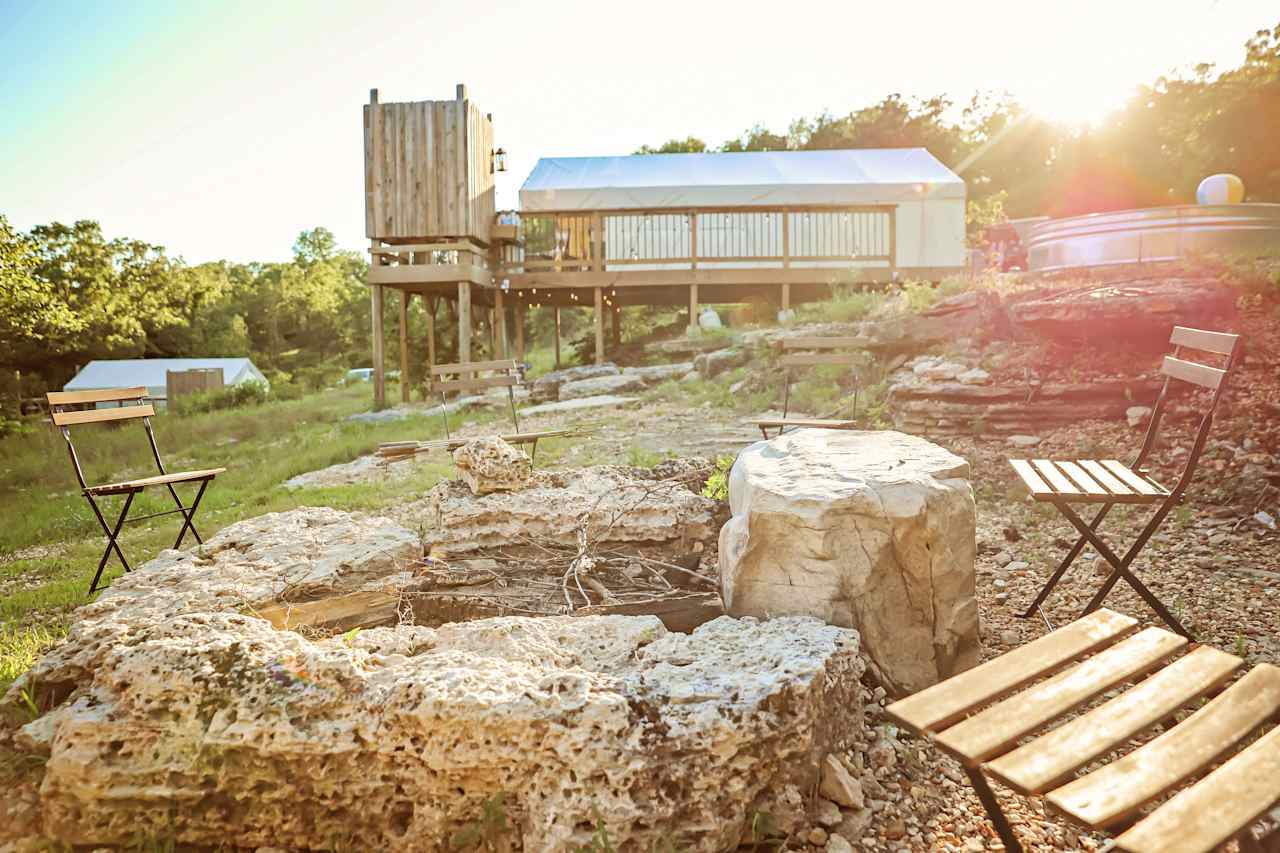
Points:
x=1024, y=440
x=827, y=813
x=838, y=786
x=816, y=836
x=1003, y=558
x=837, y=844
x=1017, y=566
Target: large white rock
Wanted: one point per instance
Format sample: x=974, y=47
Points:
x=179, y=715
x=596, y=386
x=871, y=530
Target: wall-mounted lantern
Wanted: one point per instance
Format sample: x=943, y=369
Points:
x=498, y=160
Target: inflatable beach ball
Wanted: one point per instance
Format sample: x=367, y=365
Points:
x=1220, y=189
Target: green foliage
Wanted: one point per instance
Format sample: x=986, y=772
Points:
x=688, y=145
x=250, y=393
x=18, y=653
x=641, y=457
x=717, y=485
x=848, y=303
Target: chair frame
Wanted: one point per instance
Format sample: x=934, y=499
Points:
x=510, y=373
x=789, y=361
x=1220, y=343
x=133, y=403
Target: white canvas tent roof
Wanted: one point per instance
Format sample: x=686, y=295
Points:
x=751, y=178
x=129, y=372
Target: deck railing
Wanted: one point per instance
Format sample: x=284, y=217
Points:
x=720, y=238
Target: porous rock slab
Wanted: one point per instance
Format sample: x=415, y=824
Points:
x=871, y=530
x=599, y=385
x=179, y=715
x=490, y=464
x=611, y=503
x=602, y=401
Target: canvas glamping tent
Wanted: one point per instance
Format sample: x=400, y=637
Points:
x=152, y=373
x=926, y=198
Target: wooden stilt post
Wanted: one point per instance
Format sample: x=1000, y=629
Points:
x=599, y=326
x=616, y=313
x=693, y=308
x=557, y=310
x=493, y=335
x=464, y=322
x=500, y=309
x=404, y=346
x=520, y=330
x=379, y=377
x=431, y=337
x=786, y=297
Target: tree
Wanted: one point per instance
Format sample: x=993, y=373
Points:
x=688, y=145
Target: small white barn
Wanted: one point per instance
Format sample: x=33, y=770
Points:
x=926, y=198
x=151, y=373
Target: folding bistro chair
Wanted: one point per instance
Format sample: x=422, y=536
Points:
x=792, y=360
x=504, y=373
x=1030, y=720
x=131, y=406
x=1109, y=482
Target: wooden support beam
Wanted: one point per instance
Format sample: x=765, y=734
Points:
x=693, y=308
x=786, y=297
x=599, y=325
x=500, y=310
x=431, y=304
x=557, y=310
x=379, y=378
x=464, y=322
x=616, y=313
x=493, y=334
x=404, y=347
x=520, y=331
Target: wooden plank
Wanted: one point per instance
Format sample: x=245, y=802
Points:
x=1222, y=343
x=105, y=395
x=818, y=423
x=474, y=367
x=1105, y=477
x=1189, y=371
x=1115, y=792
x=1081, y=479
x=338, y=613
x=804, y=359
x=1051, y=759
x=693, y=308
x=1055, y=478
x=995, y=729
x=158, y=480
x=464, y=322
x=431, y=303
x=1029, y=476
x=90, y=416
x=1131, y=478
x=942, y=704
x=1214, y=809
x=404, y=347
x=843, y=342
x=474, y=384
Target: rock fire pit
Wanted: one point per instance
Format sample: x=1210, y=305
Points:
x=870, y=530
x=174, y=710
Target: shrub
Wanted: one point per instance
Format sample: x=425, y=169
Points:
x=717, y=485
x=251, y=393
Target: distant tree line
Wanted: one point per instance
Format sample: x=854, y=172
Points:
x=1153, y=151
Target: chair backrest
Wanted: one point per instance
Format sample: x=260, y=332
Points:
x=502, y=373
x=131, y=406
x=1176, y=367
x=810, y=358
x=62, y=415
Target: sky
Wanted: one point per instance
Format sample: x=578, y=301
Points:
x=223, y=129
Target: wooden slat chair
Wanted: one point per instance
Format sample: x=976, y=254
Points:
x=983, y=718
x=792, y=359
x=479, y=376
x=1110, y=482
x=132, y=404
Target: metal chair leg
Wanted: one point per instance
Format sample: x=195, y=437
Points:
x=1066, y=563
x=189, y=517
x=992, y=805
x=1120, y=567
x=111, y=538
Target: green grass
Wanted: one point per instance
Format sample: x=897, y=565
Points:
x=261, y=447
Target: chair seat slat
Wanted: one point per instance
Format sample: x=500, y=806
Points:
x=1116, y=791
x=993, y=730
x=1081, y=478
x=1034, y=482
x=1055, y=477
x=474, y=367
x=438, y=385
x=818, y=423
x=158, y=480
x=1105, y=477
x=942, y=704
x=1134, y=480
x=1215, y=808
x=1051, y=758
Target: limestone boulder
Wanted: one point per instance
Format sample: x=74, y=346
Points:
x=490, y=464
x=870, y=530
x=711, y=364
x=175, y=713
x=601, y=385
x=655, y=373
x=560, y=407
x=547, y=387
x=607, y=503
